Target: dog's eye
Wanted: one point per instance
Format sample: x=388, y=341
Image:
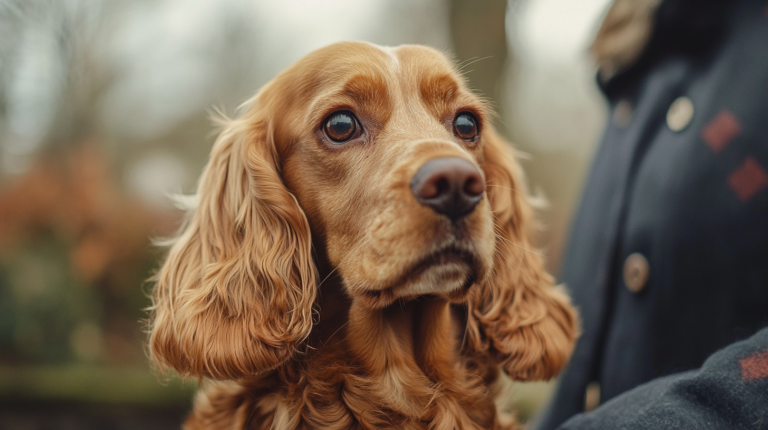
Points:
x=465, y=126
x=341, y=127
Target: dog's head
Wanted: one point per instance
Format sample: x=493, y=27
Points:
x=387, y=165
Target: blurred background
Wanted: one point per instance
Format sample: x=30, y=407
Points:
x=104, y=111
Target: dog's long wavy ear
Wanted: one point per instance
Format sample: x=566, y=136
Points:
x=518, y=316
x=234, y=296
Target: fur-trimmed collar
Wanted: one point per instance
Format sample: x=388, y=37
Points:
x=634, y=30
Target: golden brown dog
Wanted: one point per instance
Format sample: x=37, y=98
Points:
x=359, y=257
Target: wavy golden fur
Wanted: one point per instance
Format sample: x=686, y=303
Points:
x=302, y=290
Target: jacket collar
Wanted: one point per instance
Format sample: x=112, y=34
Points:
x=637, y=33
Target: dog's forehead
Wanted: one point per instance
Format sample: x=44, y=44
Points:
x=363, y=74
x=420, y=59
x=410, y=65
x=352, y=55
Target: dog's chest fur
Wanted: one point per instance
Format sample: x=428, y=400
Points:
x=346, y=383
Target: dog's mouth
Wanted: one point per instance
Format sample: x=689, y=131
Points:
x=448, y=272
x=449, y=257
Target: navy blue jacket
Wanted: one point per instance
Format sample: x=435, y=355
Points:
x=730, y=392
x=685, y=193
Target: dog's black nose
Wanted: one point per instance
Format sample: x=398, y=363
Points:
x=451, y=186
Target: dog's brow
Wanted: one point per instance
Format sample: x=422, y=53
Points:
x=366, y=89
x=439, y=92
x=439, y=89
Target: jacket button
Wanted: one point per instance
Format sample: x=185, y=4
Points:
x=592, y=396
x=636, y=270
x=622, y=113
x=680, y=114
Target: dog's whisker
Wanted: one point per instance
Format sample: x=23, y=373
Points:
x=468, y=62
x=334, y=333
x=327, y=277
x=505, y=240
x=505, y=188
x=250, y=417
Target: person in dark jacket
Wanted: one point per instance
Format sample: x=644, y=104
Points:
x=668, y=254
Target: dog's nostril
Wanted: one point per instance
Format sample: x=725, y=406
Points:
x=451, y=186
x=442, y=186
x=474, y=186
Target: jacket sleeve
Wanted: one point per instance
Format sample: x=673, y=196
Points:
x=730, y=391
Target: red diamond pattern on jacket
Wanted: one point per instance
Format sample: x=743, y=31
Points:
x=721, y=130
x=748, y=179
x=755, y=366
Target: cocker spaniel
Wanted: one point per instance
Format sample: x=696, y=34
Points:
x=359, y=256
